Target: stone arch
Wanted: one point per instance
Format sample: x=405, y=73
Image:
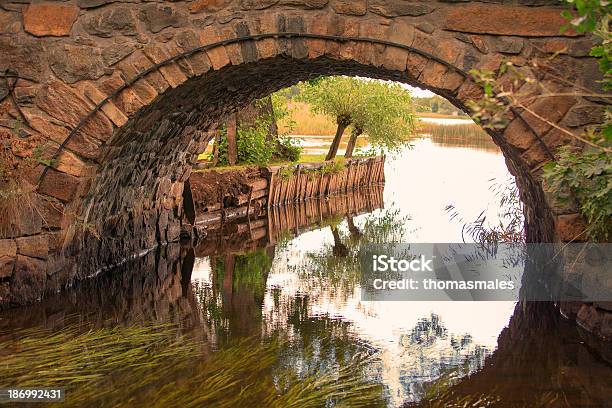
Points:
x=124, y=92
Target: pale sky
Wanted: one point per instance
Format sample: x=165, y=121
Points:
x=414, y=91
x=418, y=92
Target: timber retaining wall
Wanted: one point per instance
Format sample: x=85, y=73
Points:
x=238, y=194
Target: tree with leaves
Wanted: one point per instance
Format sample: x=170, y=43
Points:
x=381, y=110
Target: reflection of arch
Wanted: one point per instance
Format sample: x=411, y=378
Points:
x=540, y=357
x=120, y=176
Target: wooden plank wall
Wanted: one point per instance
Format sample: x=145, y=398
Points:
x=311, y=180
x=281, y=185
x=266, y=228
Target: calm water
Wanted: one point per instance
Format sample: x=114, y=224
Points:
x=270, y=314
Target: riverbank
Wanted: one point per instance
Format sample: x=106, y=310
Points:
x=215, y=197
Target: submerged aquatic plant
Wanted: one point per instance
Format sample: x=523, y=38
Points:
x=158, y=365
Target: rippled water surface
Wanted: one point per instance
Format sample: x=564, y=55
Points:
x=269, y=313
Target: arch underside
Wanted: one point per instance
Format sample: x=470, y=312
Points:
x=152, y=154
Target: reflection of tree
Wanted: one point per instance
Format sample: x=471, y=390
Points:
x=337, y=266
x=340, y=250
x=540, y=361
x=310, y=349
x=232, y=304
x=320, y=345
x=510, y=227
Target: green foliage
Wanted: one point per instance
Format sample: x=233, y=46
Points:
x=332, y=167
x=253, y=145
x=286, y=173
x=593, y=16
x=589, y=14
x=280, y=106
x=586, y=176
x=381, y=110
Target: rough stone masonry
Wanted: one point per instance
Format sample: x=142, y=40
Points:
x=114, y=188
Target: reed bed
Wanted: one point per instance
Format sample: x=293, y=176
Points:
x=468, y=130
x=302, y=121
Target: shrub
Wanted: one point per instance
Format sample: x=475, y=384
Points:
x=288, y=148
x=254, y=146
x=586, y=176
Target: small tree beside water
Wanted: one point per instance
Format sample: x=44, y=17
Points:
x=381, y=110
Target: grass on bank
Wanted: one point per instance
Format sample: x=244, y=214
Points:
x=305, y=158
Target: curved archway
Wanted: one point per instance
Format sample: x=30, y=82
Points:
x=124, y=96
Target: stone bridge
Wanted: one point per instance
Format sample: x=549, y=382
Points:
x=106, y=104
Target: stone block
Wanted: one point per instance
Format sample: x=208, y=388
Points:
x=426, y=27
x=59, y=185
x=480, y=43
x=307, y=4
x=49, y=19
x=97, y=3
x=552, y=109
x=72, y=63
x=9, y=23
x=350, y=7
x=218, y=55
x=35, y=246
x=509, y=45
x=28, y=282
x=159, y=16
x=8, y=254
x=570, y=227
x=469, y=91
x=111, y=22
x=64, y=103
x=171, y=72
x=582, y=115
x=199, y=6
x=198, y=62
x=110, y=110
x=141, y=63
x=506, y=20
x=233, y=49
x=257, y=4
x=267, y=48
x=395, y=8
